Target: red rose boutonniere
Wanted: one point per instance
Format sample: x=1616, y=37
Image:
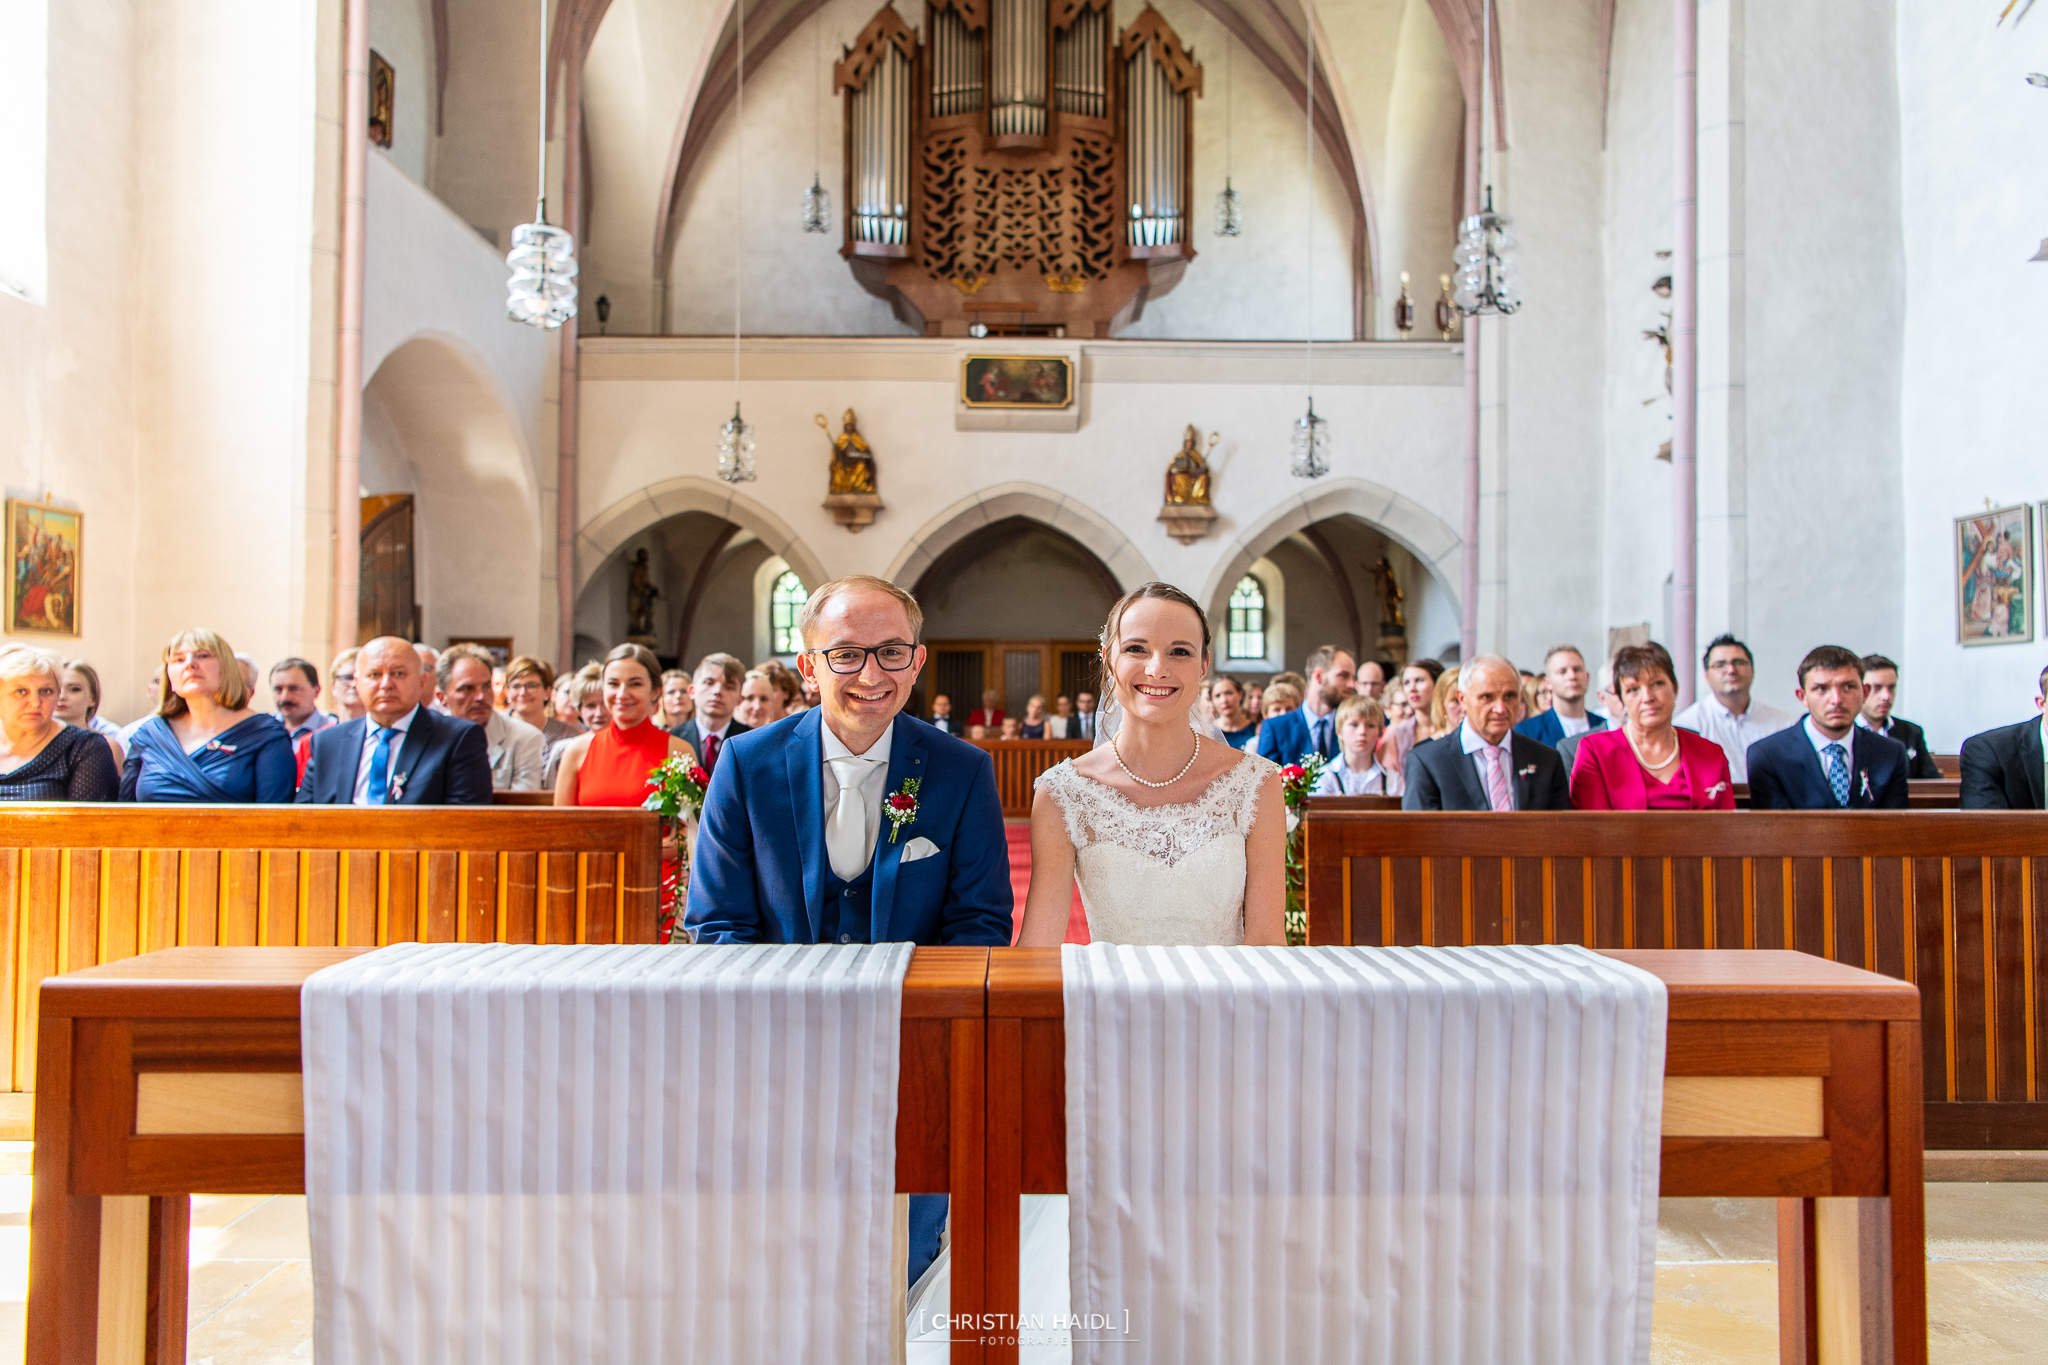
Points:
x=901, y=807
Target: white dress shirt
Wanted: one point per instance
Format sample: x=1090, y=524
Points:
x=1084, y=725
x=1341, y=779
x=1709, y=718
x=1474, y=744
x=871, y=786
x=1820, y=743
x=370, y=728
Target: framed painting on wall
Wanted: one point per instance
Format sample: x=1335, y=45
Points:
x=383, y=100
x=1016, y=381
x=1995, y=576
x=499, y=647
x=44, y=541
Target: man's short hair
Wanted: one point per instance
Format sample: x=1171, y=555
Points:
x=1322, y=658
x=312, y=673
x=1874, y=662
x=1556, y=650
x=444, y=669
x=1488, y=661
x=1365, y=708
x=1726, y=641
x=728, y=666
x=1830, y=657
x=814, y=607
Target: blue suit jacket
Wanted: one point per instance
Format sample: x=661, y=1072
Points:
x=444, y=761
x=758, y=874
x=1785, y=772
x=1286, y=737
x=1545, y=728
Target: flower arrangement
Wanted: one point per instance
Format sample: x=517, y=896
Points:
x=1297, y=781
x=901, y=807
x=676, y=794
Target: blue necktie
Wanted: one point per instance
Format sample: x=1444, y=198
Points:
x=380, y=769
x=1323, y=735
x=1838, y=773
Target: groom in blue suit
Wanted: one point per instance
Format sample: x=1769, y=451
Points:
x=852, y=822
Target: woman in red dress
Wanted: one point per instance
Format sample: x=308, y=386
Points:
x=611, y=765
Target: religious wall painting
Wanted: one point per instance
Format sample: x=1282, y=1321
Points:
x=383, y=100
x=44, y=541
x=1016, y=381
x=1995, y=576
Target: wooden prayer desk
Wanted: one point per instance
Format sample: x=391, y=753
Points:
x=1786, y=1075
x=177, y=1073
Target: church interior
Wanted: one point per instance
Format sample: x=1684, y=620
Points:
x=1520, y=323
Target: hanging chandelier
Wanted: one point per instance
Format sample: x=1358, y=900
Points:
x=736, y=449
x=1311, y=445
x=817, y=216
x=1311, y=435
x=542, y=289
x=736, y=437
x=1229, y=203
x=817, y=207
x=1488, y=282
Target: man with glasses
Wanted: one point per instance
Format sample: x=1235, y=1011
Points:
x=1728, y=716
x=857, y=823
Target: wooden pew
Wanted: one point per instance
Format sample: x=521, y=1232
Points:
x=87, y=884
x=1944, y=793
x=177, y=1073
x=1952, y=902
x=1020, y=761
x=541, y=798
x=1785, y=1076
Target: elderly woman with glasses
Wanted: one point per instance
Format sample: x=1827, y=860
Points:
x=41, y=757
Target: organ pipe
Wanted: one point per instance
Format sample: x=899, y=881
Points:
x=1017, y=67
x=955, y=53
x=1155, y=151
x=1080, y=73
x=881, y=151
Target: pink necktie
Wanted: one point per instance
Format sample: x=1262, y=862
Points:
x=1497, y=779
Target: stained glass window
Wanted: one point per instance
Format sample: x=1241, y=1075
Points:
x=1247, y=620
x=785, y=600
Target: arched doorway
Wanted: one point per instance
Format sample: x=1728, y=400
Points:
x=1014, y=607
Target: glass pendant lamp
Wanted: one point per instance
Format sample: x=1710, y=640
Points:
x=542, y=289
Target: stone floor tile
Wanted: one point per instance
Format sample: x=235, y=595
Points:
x=213, y=1285
x=1987, y=1222
x=1690, y=1230
x=271, y=1324
x=1715, y=1314
x=274, y=1229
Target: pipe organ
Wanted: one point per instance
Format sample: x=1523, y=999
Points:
x=1020, y=165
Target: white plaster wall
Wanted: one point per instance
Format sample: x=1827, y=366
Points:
x=483, y=165
x=1974, y=210
x=1418, y=189
x=402, y=33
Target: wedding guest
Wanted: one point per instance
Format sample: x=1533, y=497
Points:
x=1356, y=770
x=716, y=687
x=760, y=700
x=563, y=700
x=1254, y=699
x=1730, y=716
x=1610, y=710
x=42, y=758
x=295, y=692
x=1648, y=762
x=341, y=685
x=590, y=705
x=611, y=765
x=1447, y=707
x=204, y=743
x=1880, y=691
x=1541, y=698
x=1281, y=698
x=2002, y=768
x=528, y=684
x=1372, y=679
x=1417, y=694
x=1564, y=670
x=976, y=734
x=990, y=712
x=1062, y=723
x=78, y=703
x=1483, y=765
x=1084, y=716
x=677, y=705
x=942, y=714
x=400, y=752
x=497, y=687
x=1032, y=725
x=430, y=660
x=1013, y=728
x=1332, y=676
x=1827, y=761
x=515, y=749
x=789, y=687
x=1395, y=704
x=247, y=663
x=1239, y=727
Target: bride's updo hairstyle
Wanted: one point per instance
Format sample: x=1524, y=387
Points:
x=1164, y=592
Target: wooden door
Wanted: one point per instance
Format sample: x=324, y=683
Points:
x=1013, y=668
x=385, y=604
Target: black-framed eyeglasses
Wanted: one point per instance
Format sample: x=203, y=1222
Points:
x=853, y=658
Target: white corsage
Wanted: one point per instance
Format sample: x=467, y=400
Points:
x=1716, y=790
x=1529, y=771
x=398, y=784
x=1866, y=786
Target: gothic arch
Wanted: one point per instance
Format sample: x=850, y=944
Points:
x=630, y=515
x=1419, y=531
x=1050, y=506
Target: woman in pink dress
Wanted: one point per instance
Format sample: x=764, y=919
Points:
x=1646, y=762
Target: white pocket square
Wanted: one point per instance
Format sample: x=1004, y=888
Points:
x=919, y=847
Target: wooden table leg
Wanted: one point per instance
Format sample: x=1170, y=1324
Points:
x=1906, y=1176
x=974, y=1228
x=1798, y=1289
x=1005, y=1184
x=170, y=1260
x=1852, y=1250
x=124, y=1280
x=64, y=1229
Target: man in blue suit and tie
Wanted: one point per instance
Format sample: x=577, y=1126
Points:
x=1827, y=761
x=400, y=754
x=857, y=823
x=1564, y=668
x=1312, y=728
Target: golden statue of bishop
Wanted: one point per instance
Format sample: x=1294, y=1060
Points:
x=1187, y=477
x=853, y=464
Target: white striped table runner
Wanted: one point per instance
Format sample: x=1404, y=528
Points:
x=578, y=1153
x=1340, y=1154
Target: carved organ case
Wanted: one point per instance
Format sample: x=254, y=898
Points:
x=1022, y=166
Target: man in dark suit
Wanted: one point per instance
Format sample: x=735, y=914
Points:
x=715, y=687
x=1827, y=761
x=400, y=753
x=1880, y=690
x=1483, y=765
x=2002, y=768
x=1312, y=727
x=1565, y=670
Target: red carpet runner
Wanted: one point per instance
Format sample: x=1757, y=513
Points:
x=1019, y=833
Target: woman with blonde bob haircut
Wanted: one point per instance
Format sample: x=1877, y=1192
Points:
x=42, y=758
x=204, y=743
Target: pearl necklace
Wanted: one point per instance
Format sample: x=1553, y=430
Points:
x=1644, y=758
x=1119, y=756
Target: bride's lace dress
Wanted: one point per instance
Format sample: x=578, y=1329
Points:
x=1169, y=874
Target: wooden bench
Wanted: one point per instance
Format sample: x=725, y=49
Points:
x=82, y=885
x=178, y=1073
x=1945, y=793
x=1020, y=761
x=1949, y=901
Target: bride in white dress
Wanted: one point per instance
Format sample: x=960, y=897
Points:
x=1174, y=837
